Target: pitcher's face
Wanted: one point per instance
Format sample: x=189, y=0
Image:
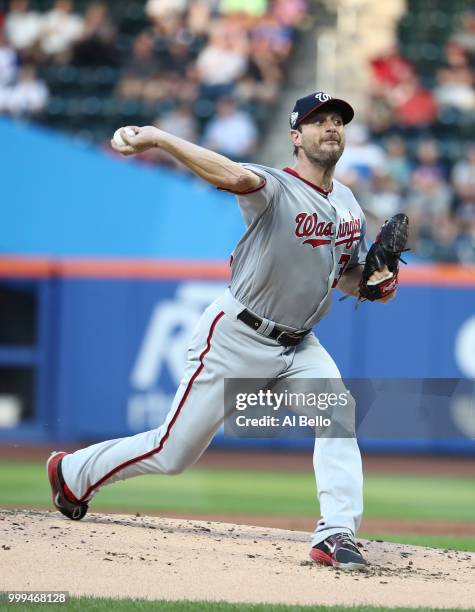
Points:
x=321, y=137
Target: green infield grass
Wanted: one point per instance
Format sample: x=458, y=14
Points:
x=259, y=492
x=264, y=493
x=466, y=543
x=137, y=605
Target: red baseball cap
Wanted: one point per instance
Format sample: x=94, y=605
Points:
x=307, y=105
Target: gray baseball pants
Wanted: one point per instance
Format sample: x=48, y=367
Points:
x=224, y=347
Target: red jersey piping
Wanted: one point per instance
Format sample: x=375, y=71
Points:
x=239, y=193
x=296, y=174
x=155, y=451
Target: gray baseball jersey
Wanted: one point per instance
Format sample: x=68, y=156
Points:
x=299, y=241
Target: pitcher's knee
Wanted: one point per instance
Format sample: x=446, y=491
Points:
x=174, y=470
x=342, y=418
x=174, y=466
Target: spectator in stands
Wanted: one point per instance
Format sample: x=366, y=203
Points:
x=360, y=155
x=384, y=199
x=464, y=208
x=466, y=246
x=381, y=116
x=166, y=29
x=141, y=69
x=181, y=122
x=397, y=163
x=23, y=27
x=97, y=45
x=222, y=62
x=61, y=29
x=158, y=9
x=454, y=94
x=177, y=58
x=199, y=16
x=465, y=217
x=415, y=108
x=463, y=178
x=170, y=31
x=390, y=70
x=428, y=160
x=169, y=87
x=273, y=37
x=8, y=61
x=252, y=89
x=27, y=97
x=290, y=13
x=231, y=132
x=463, y=172
x=263, y=62
x=428, y=199
x=465, y=37
x=455, y=81
x=439, y=241
x=262, y=79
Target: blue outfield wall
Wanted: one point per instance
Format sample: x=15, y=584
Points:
x=113, y=353
x=62, y=199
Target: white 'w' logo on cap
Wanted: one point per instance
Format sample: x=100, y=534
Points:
x=323, y=97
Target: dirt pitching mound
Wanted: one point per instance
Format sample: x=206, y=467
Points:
x=156, y=558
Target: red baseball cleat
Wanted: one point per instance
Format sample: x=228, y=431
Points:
x=339, y=550
x=63, y=499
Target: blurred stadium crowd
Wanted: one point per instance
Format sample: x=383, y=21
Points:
x=207, y=69
x=417, y=152
x=210, y=71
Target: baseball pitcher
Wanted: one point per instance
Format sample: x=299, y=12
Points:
x=305, y=237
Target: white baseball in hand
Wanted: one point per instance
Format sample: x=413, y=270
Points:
x=117, y=138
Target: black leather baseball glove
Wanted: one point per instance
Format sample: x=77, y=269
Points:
x=386, y=250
